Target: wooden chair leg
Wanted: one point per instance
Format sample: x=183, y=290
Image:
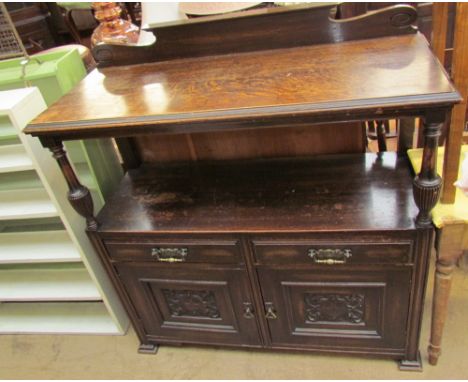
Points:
x=448, y=251
x=387, y=126
x=406, y=127
x=381, y=136
x=72, y=26
x=371, y=133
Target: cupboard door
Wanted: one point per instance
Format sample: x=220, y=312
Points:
x=346, y=310
x=192, y=304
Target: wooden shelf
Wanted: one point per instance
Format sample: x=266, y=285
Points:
x=58, y=282
x=305, y=82
x=63, y=318
x=37, y=247
x=14, y=158
x=266, y=195
x=26, y=204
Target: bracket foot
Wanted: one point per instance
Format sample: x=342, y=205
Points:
x=148, y=349
x=413, y=365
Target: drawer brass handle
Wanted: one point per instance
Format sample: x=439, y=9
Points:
x=270, y=311
x=248, y=310
x=329, y=256
x=170, y=255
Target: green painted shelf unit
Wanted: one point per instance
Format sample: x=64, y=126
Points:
x=51, y=280
x=54, y=73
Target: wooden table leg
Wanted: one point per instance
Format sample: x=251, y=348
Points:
x=449, y=249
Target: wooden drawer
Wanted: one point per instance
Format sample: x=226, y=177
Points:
x=175, y=250
x=323, y=252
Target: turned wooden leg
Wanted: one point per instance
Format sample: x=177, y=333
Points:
x=79, y=196
x=382, y=136
x=81, y=200
x=448, y=252
x=427, y=184
x=442, y=284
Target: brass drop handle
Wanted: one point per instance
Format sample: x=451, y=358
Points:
x=170, y=255
x=248, y=310
x=329, y=256
x=270, y=311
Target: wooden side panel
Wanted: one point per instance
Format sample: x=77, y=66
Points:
x=283, y=142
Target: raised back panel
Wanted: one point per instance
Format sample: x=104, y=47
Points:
x=260, y=29
x=248, y=144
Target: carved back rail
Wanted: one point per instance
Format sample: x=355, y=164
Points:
x=259, y=29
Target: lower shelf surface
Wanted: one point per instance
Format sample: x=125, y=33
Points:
x=333, y=192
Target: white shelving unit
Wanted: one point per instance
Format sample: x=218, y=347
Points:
x=57, y=282
x=14, y=158
x=36, y=247
x=55, y=317
x=51, y=280
x=33, y=204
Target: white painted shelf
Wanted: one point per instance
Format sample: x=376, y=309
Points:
x=37, y=247
x=52, y=318
x=22, y=180
x=14, y=158
x=57, y=282
x=26, y=204
x=51, y=279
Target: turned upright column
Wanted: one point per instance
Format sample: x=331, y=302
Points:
x=79, y=196
x=427, y=184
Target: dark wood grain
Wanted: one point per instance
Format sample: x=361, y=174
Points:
x=79, y=196
x=251, y=143
x=308, y=304
x=220, y=211
x=427, y=183
x=253, y=90
x=270, y=195
x=191, y=304
x=261, y=29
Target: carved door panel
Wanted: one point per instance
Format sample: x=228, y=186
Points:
x=343, y=309
x=196, y=304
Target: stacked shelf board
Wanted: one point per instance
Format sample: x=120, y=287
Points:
x=51, y=280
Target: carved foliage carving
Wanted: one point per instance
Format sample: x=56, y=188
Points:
x=191, y=303
x=334, y=307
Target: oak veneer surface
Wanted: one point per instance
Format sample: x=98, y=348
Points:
x=325, y=193
x=253, y=143
x=314, y=79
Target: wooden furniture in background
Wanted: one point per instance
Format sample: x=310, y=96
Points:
x=50, y=278
x=450, y=216
x=325, y=254
x=451, y=221
x=458, y=119
x=33, y=23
